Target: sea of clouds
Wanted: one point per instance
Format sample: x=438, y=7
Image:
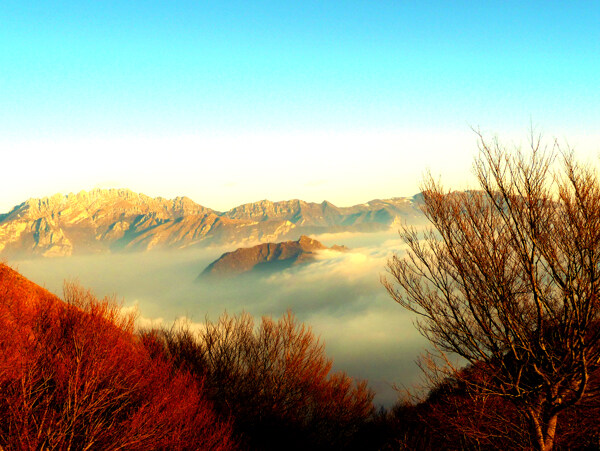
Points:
x=339, y=295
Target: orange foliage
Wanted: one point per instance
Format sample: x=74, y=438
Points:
x=274, y=381
x=74, y=376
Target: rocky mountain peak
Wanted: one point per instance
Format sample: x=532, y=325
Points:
x=308, y=243
x=267, y=257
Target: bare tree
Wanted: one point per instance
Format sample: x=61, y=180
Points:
x=508, y=278
x=274, y=381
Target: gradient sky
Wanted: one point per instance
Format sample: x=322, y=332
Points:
x=230, y=102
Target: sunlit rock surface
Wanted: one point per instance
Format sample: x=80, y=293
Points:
x=111, y=220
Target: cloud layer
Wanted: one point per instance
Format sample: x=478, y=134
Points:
x=340, y=296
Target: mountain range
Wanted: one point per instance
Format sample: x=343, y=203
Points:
x=115, y=220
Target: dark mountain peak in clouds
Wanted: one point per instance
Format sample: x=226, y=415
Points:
x=267, y=257
x=307, y=243
x=109, y=220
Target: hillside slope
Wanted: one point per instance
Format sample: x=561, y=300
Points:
x=74, y=375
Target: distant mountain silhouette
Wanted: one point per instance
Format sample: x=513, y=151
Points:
x=117, y=220
x=266, y=257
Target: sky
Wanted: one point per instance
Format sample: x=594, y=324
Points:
x=229, y=102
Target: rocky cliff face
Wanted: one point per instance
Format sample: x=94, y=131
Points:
x=121, y=220
x=266, y=257
x=92, y=221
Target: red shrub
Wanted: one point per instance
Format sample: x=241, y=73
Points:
x=275, y=382
x=74, y=376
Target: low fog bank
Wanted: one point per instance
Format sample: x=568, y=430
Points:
x=340, y=296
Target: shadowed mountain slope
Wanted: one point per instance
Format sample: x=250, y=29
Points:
x=266, y=257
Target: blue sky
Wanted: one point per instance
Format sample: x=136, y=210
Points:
x=230, y=102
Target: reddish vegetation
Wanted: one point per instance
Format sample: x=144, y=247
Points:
x=458, y=416
x=275, y=382
x=74, y=376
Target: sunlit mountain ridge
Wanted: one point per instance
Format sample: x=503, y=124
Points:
x=116, y=220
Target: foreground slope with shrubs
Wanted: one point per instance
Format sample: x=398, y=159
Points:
x=75, y=374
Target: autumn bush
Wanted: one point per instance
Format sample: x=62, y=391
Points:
x=73, y=375
x=274, y=381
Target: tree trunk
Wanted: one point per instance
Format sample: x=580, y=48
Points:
x=544, y=431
